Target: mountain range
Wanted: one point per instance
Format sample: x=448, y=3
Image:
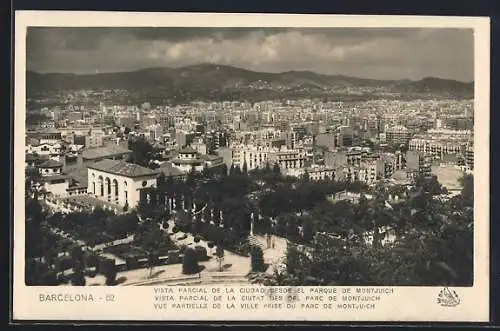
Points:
x=203, y=78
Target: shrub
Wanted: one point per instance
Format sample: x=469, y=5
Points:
x=111, y=277
x=190, y=262
x=107, y=267
x=64, y=263
x=62, y=279
x=153, y=260
x=183, y=248
x=173, y=257
x=257, y=259
x=201, y=253
x=132, y=262
x=49, y=279
x=92, y=261
x=92, y=273
x=78, y=279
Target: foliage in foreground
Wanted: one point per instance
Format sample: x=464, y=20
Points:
x=433, y=246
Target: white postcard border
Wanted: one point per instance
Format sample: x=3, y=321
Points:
x=135, y=303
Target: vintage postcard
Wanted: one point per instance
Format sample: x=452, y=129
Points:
x=244, y=167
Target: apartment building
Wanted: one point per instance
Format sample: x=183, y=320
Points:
x=438, y=148
x=418, y=163
x=397, y=135
x=366, y=172
x=258, y=156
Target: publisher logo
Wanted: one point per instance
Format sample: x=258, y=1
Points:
x=448, y=298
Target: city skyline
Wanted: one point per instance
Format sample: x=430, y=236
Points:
x=381, y=53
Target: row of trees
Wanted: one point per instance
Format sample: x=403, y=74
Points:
x=97, y=226
x=224, y=204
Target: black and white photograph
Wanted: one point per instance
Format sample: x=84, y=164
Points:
x=255, y=157
x=339, y=156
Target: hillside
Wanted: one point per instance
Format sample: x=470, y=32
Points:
x=203, y=79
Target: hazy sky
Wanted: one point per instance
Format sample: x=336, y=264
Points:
x=371, y=53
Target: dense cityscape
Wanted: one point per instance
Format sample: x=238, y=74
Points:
x=255, y=183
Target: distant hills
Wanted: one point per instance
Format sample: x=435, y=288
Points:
x=205, y=80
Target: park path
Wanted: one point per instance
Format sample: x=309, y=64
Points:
x=236, y=266
x=274, y=256
x=239, y=264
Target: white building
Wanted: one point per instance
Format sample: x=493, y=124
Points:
x=199, y=146
x=45, y=149
x=366, y=173
x=155, y=131
x=436, y=147
x=187, y=159
x=288, y=158
x=315, y=172
x=257, y=156
x=95, y=138
x=118, y=182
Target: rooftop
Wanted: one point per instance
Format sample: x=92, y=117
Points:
x=32, y=157
x=80, y=175
x=51, y=164
x=207, y=157
x=123, y=168
x=52, y=178
x=100, y=152
x=398, y=128
x=47, y=131
x=170, y=171
x=187, y=150
x=187, y=161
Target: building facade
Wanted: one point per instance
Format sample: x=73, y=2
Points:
x=119, y=182
x=188, y=158
x=437, y=148
x=398, y=135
